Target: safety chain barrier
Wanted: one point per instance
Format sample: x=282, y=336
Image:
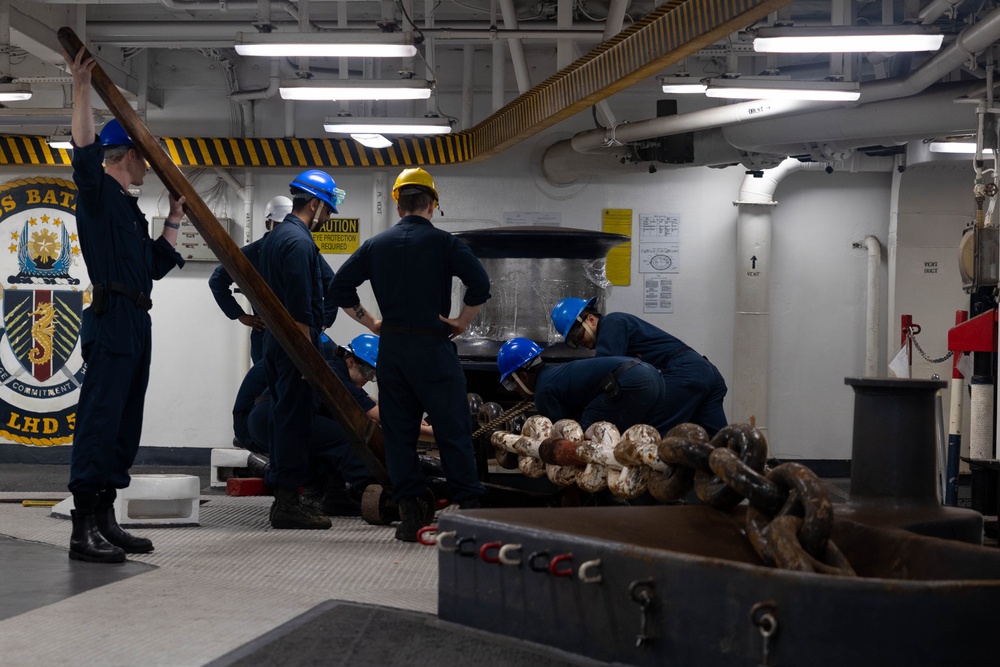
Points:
x=790, y=517
x=912, y=337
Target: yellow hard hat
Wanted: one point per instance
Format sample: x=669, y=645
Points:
x=416, y=177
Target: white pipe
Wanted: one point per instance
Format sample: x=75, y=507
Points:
x=564, y=46
x=751, y=329
x=616, y=18
x=247, y=195
x=873, y=310
x=262, y=93
x=517, y=58
x=468, y=81
x=499, y=75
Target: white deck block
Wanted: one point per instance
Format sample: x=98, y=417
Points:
x=152, y=500
x=223, y=461
x=160, y=499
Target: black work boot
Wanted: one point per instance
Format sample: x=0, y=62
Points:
x=290, y=513
x=413, y=517
x=112, y=531
x=107, y=523
x=87, y=543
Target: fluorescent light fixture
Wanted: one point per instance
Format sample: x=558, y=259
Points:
x=957, y=147
x=330, y=90
x=682, y=84
x=351, y=125
x=772, y=88
x=15, y=92
x=371, y=140
x=847, y=39
x=61, y=141
x=324, y=45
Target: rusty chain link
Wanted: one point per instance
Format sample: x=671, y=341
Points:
x=790, y=517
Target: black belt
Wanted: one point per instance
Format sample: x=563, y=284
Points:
x=609, y=385
x=413, y=331
x=140, y=299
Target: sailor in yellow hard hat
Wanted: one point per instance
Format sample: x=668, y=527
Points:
x=410, y=267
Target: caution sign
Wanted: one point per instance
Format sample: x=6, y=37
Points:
x=338, y=236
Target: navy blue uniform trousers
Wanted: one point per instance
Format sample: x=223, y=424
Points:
x=330, y=450
x=694, y=391
x=293, y=413
x=112, y=397
x=417, y=374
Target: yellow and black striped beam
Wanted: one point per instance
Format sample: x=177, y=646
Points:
x=663, y=37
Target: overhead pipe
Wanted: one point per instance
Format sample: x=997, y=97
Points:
x=750, y=118
x=517, y=58
x=193, y=34
x=616, y=18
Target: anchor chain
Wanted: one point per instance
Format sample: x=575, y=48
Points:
x=789, y=519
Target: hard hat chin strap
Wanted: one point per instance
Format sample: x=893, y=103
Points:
x=520, y=384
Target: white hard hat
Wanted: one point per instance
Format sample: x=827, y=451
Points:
x=277, y=209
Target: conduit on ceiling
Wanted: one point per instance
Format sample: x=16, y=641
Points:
x=663, y=37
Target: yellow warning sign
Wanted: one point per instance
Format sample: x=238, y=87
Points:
x=338, y=236
x=619, y=267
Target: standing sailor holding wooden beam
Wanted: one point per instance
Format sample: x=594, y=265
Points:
x=122, y=262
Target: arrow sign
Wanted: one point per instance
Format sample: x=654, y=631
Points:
x=753, y=262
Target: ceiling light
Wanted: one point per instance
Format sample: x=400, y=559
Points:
x=772, y=88
x=324, y=44
x=371, y=140
x=60, y=141
x=682, y=84
x=960, y=147
x=847, y=39
x=14, y=92
x=311, y=89
x=350, y=125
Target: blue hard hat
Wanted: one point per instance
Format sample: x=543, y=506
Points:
x=514, y=354
x=365, y=348
x=319, y=184
x=565, y=312
x=113, y=134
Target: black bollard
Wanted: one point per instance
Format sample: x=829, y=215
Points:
x=894, y=461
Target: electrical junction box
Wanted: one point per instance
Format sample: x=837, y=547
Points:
x=190, y=243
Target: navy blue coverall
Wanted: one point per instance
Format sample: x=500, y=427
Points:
x=693, y=386
x=291, y=265
x=583, y=390
x=220, y=282
x=410, y=267
x=329, y=447
x=254, y=384
x=117, y=248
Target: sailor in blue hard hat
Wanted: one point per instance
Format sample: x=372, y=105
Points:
x=292, y=266
x=361, y=357
x=694, y=388
x=615, y=389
